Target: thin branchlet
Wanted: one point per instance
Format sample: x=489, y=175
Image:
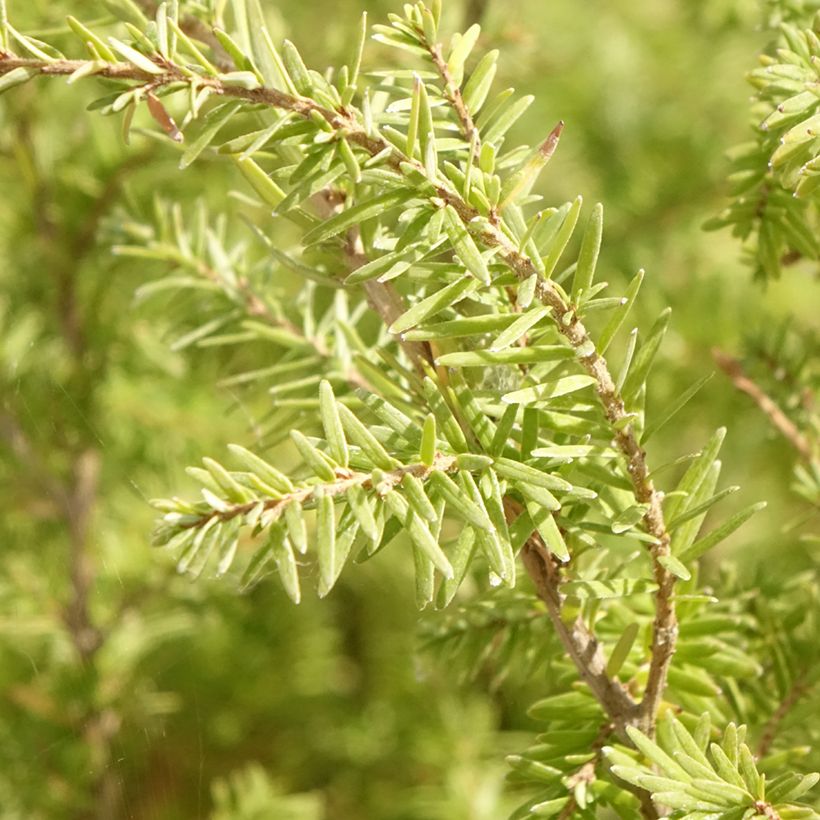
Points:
x=453, y=96
x=798, y=689
x=345, y=481
x=780, y=421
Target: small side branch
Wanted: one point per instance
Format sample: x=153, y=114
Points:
x=784, y=425
x=770, y=730
x=581, y=645
x=453, y=92
x=381, y=296
x=345, y=480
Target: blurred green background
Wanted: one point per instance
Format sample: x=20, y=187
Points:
x=191, y=700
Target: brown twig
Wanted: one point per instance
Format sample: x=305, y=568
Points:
x=767, y=810
x=734, y=370
x=588, y=774
x=79, y=503
x=770, y=730
x=452, y=93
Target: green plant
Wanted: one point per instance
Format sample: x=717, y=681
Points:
x=446, y=362
x=774, y=211
x=776, y=176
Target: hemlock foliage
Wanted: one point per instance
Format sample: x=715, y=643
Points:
x=775, y=175
x=446, y=379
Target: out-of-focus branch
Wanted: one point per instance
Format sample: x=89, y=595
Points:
x=79, y=505
x=734, y=370
x=12, y=433
x=770, y=730
x=474, y=11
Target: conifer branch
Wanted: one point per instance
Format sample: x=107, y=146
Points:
x=547, y=292
x=580, y=643
x=257, y=308
x=578, y=640
x=439, y=446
